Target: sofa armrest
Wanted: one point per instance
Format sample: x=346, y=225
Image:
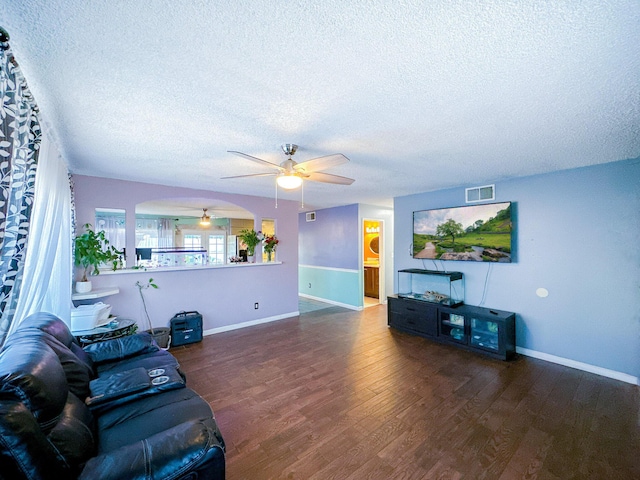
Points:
x=120, y=348
x=175, y=453
x=25, y=451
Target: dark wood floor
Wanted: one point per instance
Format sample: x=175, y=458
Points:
x=336, y=394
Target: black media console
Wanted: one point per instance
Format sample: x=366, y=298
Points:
x=483, y=330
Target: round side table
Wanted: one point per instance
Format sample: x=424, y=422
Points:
x=114, y=329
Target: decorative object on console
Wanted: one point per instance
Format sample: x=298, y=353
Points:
x=251, y=239
x=91, y=250
x=435, y=297
x=445, y=288
x=270, y=243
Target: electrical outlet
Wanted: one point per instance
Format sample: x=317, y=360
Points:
x=256, y=305
x=309, y=285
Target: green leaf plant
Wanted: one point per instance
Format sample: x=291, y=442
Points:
x=144, y=286
x=92, y=250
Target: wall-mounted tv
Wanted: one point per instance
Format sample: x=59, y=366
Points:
x=480, y=233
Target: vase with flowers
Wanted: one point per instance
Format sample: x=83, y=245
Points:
x=270, y=243
x=251, y=239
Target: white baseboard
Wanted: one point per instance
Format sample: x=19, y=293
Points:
x=338, y=304
x=251, y=323
x=605, y=372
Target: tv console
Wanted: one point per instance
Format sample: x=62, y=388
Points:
x=482, y=330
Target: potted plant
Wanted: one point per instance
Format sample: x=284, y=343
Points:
x=251, y=239
x=270, y=243
x=162, y=335
x=92, y=250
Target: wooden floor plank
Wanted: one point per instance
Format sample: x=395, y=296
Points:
x=335, y=393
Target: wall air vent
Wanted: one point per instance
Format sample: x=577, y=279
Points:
x=480, y=194
x=311, y=216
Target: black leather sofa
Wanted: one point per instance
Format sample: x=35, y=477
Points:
x=118, y=409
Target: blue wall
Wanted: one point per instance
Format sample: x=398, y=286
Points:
x=578, y=236
x=331, y=240
x=328, y=251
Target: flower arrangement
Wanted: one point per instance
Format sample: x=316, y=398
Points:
x=251, y=239
x=270, y=242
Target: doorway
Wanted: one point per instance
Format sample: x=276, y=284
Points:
x=373, y=261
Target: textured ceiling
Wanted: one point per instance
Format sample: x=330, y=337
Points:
x=419, y=95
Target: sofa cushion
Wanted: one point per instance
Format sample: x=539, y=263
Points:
x=142, y=418
x=120, y=348
x=148, y=361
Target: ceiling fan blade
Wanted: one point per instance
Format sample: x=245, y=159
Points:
x=321, y=163
x=329, y=178
x=256, y=159
x=251, y=175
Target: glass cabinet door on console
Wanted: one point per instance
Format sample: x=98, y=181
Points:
x=452, y=327
x=482, y=330
x=485, y=334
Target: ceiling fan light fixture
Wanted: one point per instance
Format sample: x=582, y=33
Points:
x=205, y=220
x=289, y=181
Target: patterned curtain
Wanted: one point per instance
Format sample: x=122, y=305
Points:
x=19, y=146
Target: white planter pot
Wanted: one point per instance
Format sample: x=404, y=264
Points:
x=83, y=287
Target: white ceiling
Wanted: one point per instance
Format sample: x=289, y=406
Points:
x=419, y=95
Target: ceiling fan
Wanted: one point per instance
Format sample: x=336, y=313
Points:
x=290, y=174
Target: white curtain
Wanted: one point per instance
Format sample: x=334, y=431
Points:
x=48, y=268
x=165, y=232
x=113, y=225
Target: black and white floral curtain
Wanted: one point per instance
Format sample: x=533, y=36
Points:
x=20, y=137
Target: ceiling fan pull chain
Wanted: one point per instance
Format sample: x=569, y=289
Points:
x=276, y=194
x=302, y=195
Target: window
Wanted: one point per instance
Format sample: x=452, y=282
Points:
x=112, y=221
x=192, y=241
x=268, y=228
x=154, y=232
x=216, y=249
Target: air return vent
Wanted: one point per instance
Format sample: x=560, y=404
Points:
x=480, y=194
x=311, y=216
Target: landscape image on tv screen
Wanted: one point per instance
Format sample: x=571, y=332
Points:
x=480, y=233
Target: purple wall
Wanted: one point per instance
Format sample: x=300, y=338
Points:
x=332, y=239
x=224, y=296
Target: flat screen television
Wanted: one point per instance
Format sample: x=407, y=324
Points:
x=480, y=233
